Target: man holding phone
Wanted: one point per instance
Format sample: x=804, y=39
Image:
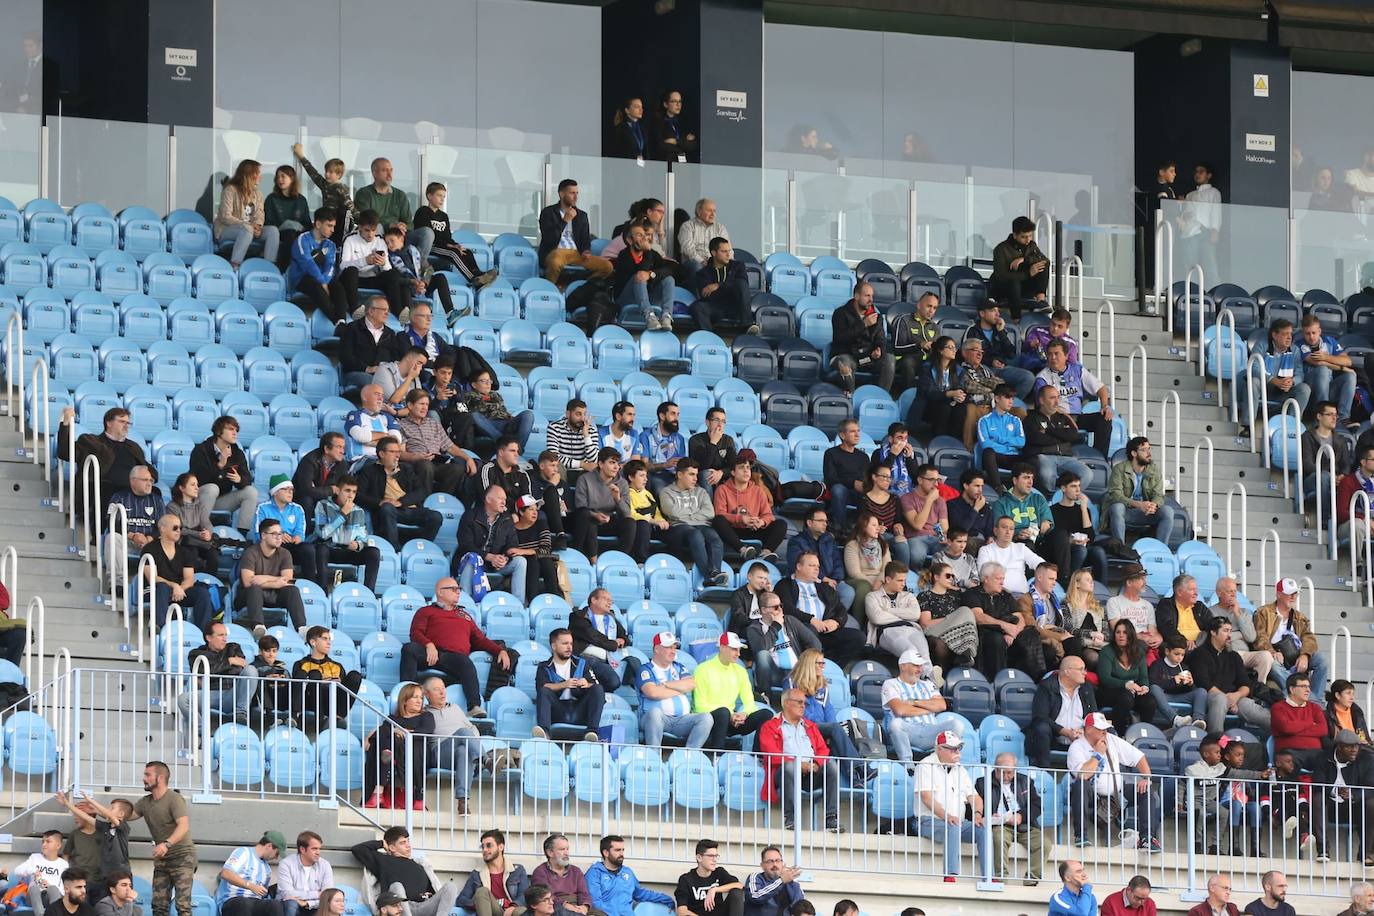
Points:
x=1020, y=270
x=859, y=341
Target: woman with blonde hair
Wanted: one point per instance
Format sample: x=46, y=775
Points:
x=949, y=625
x=239, y=221
x=808, y=676
x=384, y=767
x=1086, y=619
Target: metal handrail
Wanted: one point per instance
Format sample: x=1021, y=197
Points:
x=1197, y=476
x=64, y=687
x=1361, y=496
x=1238, y=487
x=1052, y=284
x=1225, y=316
x=14, y=347
x=200, y=668
x=1171, y=470
x=9, y=573
x=1263, y=565
x=1328, y=453
x=70, y=478
x=1336, y=636
x=1283, y=442
x=1131, y=428
x=1074, y=290
x=35, y=642
x=43, y=419
x=90, y=500
x=1110, y=309
x=1311, y=612
x=146, y=600
x=1188, y=313
x=1257, y=359
x=1164, y=277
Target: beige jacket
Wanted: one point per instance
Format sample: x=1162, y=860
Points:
x=234, y=209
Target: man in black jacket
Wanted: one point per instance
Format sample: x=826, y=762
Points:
x=1051, y=718
x=806, y=597
x=722, y=289
x=397, y=873
x=565, y=237
x=365, y=344
x=1349, y=806
x=1218, y=669
x=316, y=469
x=1011, y=806
x=221, y=469
x=116, y=453
x=393, y=494
x=488, y=530
x=744, y=601
x=645, y=279
x=233, y=681
x=999, y=352
x=1051, y=435
x=859, y=341
x=597, y=634
x=1006, y=635
x=567, y=690
x=1183, y=602
x=1020, y=270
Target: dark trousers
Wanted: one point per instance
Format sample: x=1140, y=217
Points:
x=992, y=462
x=553, y=516
x=442, y=476
x=369, y=558
x=586, y=529
x=455, y=665
x=437, y=286
x=315, y=698
x=1055, y=546
x=253, y=599
x=386, y=518
x=195, y=607
x=463, y=262
x=1097, y=426
x=1040, y=741
x=943, y=416
x=303, y=558
x=391, y=284
x=1354, y=818
x=843, y=645
x=250, y=906
x=635, y=536
x=728, y=303
x=384, y=766
x=1025, y=652
x=339, y=300
x=1012, y=291
x=12, y=643
x=1123, y=703
x=722, y=727
x=541, y=577
x=771, y=536
x=583, y=709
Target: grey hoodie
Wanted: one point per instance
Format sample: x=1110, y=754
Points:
x=687, y=507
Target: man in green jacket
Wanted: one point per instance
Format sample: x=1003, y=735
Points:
x=724, y=692
x=1020, y=270
x=1135, y=494
x=393, y=206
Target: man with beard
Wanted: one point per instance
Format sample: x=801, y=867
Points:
x=174, y=852
x=1271, y=902
x=73, y=900
x=615, y=889
x=1075, y=383
x=1135, y=494
x=574, y=438
x=567, y=689
x=565, y=880
x=662, y=446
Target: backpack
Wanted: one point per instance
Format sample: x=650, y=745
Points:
x=595, y=297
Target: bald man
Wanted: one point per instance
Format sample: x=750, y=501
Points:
x=859, y=341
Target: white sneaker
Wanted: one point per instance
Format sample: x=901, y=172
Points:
x=1290, y=827
x=651, y=322
x=665, y=321
x=259, y=631
x=1182, y=721
x=538, y=732
x=937, y=676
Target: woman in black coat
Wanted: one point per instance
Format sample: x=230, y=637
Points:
x=631, y=134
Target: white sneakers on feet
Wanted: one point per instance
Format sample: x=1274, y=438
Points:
x=1182, y=721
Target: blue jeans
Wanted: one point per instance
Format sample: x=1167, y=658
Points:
x=654, y=298
x=918, y=731
x=919, y=548
x=1120, y=516
x=1021, y=379
x=1327, y=385
x=459, y=753
x=518, y=426
x=293, y=908
x=1049, y=467
x=1317, y=669
x=845, y=592
x=226, y=700
x=241, y=237
x=515, y=584
x=701, y=541
x=1164, y=712
x=694, y=728
x=951, y=836
x=841, y=498
x=422, y=238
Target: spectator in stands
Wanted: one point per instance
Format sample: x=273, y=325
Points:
x=644, y=278
x=1123, y=678
x=1285, y=631
x=1058, y=710
x=1361, y=893
x=143, y=507
x=620, y=434
x=949, y=625
x=866, y=555
x=315, y=270
x=1134, y=900
x=744, y=508
x=695, y=236
x=392, y=207
x=1218, y=670
x=1100, y=793
x=1327, y=368
x=489, y=412
x=662, y=446
x=324, y=700
x=809, y=676
x=534, y=542
x=639, y=511
x=773, y=891
x=1074, y=383
x=1323, y=432
x=245, y=878
x=776, y=640
x=999, y=350
x=893, y=614
x=1037, y=338
x=565, y=238
x=573, y=437
x=174, y=571
x=226, y=483
x=1343, y=712
x=393, y=495
x=240, y=219
x=1285, y=373
x=561, y=878
x=689, y=512
x=672, y=140
x=1020, y=270
x=487, y=533
x=1033, y=523
x=804, y=594
x=844, y=467
x=1012, y=555
x=665, y=696
x=613, y=885
x=1013, y=812
x=403, y=880
x=944, y=793
x=914, y=711
x=598, y=504
x=504, y=471
x=1132, y=605
x=384, y=768
x=1051, y=618
x=979, y=382
x=1298, y=723
x=418, y=331
x=941, y=401
x=1135, y=494
x=630, y=133
x=859, y=341
x=913, y=336
x=1051, y=435
x=972, y=512
x=708, y=887
x=366, y=252
x=1327, y=195
x=119, y=896
x=93, y=833
x=1199, y=223
x=1271, y=902
x=276, y=705
x=286, y=210
x=1088, y=619
x=1169, y=678
x=431, y=216
x=567, y=691
x=117, y=455
x=1352, y=520
x=554, y=496
x=440, y=464
x=267, y=578
x=1182, y=613
x=456, y=746
x=814, y=537
x=42, y=871
x=599, y=636
x=796, y=755
x=341, y=533
x=234, y=681
x=303, y=876
x=1242, y=623
x=1075, y=898
x=282, y=508
x=363, y=343
x=169, y=826
x=1343, y=794
x=955, y=555
x=72, y=901
x=1218, y=902
x=315, y=470
x=744, y=601
x=337, y=199
x=442, y=635
x=1001, y=437
x=897, y=453
x=1072, y=515
x=399, y=377
x=722, y=290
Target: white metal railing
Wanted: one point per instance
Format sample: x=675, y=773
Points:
x=1171, y=471
x=69, y=477
x=64, y=700
x=90, y=515
x=35, y=640
x=1110, y=310
x=42, y=420
x=1360, y=496
x=14, y=372
x=173, y=673
x=1188, y=292
x=1310, y=607
x=1284, y=440
x=1198, y=490
x=1131, y=428
x=1257, y=402
x=1051, y=252
x=1238, y=488
x=1164, y=267
x=1338, y=636
x=144, y=585
x=1264, y=576
x=9, y=574
x=198, y=689
x=1224, y=317
x=1326, y=459
x=1073, y=291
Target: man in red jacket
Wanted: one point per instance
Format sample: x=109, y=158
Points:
x=442, y=636
x=1298, y=724
x=1218, y=902
x=1133, y=901
x=793, y=743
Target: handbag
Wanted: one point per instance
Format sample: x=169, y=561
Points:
x=1290, y=647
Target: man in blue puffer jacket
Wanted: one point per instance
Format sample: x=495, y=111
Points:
x=615, y=889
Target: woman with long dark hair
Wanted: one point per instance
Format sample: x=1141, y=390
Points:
x=880, y=502
x=950, y=628
x=631, y=135
x=239, y=221
x=1122, y=678
x=197, y=533
x=287, y=210
x=944, y=401
x=384, y=768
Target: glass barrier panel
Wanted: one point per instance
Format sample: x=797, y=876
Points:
x=942, y=221
x=991, y=211
x=851, y=216
x=115, y=163
x=206, y=156
x=1247, y=246
x=507, y=192
x=20, y=157
x=739, y=196
x=607, y=187
x=1333, y=250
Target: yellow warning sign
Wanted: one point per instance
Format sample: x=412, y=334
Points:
x=1261, y=85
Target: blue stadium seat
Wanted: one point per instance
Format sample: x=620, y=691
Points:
x=188, y=235
x=165, y=277
x=117, y=274
x=70, y=271
x=261, y=283
x=288, y=330
x=213, y=279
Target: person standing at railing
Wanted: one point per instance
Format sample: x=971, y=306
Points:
x=169, y=825
x=1199, y=225
x=245, y=879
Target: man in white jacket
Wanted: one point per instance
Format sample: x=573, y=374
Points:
x=1013, y=555
x=366, y=250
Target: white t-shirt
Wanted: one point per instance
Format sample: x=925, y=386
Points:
x=1015, y=557
x=1120, y=756
x=950, y=786
x=1140, y=612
